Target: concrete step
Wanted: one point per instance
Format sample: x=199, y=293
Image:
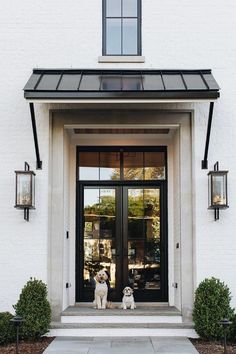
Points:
x=117, y=304
x=140, y=310
x=142, y=314
x=145, y=320
x=121, y=324
x=123, y=329
x=121, y=319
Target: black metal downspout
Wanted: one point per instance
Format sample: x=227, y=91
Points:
x=38, y=161
x=205, y=161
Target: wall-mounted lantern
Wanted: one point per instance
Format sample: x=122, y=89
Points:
x=217, y=190
x=25, y=190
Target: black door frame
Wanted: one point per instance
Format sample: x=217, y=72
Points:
x=162, y=184
x=162, y=294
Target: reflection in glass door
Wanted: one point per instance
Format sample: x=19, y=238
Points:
x=122, y=233
x=142, y=232
x=99, y=236
x=122, y=221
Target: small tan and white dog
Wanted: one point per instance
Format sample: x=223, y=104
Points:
x=128, y=299
x=101, y=290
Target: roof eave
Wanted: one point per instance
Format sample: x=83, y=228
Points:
x=125, y=95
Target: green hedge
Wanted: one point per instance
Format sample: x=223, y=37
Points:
x=212, y=303
x=7, y=330
x=35, y=309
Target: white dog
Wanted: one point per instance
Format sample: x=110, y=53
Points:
x=101, y=289
x=128, y=299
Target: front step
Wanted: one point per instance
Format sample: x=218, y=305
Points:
x=142, y=314
x=123, y=330
x=141, y=310
x=116, y=322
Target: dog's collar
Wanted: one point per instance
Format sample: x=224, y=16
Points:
x=102, y=282
x=129, y=295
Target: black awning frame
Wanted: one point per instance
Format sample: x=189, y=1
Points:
x=202, y=87
x=208, y=134
x=49, y=84
x=36, y=145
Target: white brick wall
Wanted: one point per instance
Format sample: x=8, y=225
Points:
x=52, y=33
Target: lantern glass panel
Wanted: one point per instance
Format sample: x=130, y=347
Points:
x=33, y=190
x=24, y=189
x=219, y=190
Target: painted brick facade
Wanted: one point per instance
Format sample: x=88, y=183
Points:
x=68, y=34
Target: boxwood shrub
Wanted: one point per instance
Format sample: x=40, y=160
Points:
x=35, y=309
x=212, y=303
x=7, y=330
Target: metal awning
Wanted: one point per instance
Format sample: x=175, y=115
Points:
x=92, y=85
x=73, y=84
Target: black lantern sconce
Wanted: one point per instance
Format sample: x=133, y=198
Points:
x=25, y=190
x=217, y=190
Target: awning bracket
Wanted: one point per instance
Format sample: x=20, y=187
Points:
x=38, y=161
x=205, y=161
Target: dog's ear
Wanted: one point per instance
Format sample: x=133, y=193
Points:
x=123, y=291
x=132, y=291
x=108, y=275
x=96, y=278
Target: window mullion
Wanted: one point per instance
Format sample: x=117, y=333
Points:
x=122, y=19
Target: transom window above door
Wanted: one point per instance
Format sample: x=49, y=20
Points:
x=122, y=164
x=121, y=27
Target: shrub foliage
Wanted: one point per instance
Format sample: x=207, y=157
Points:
x=7, y=330
x=35, y=309
x=212, y=304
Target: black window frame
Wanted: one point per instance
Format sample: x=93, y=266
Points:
x=122, y=150
x=139, y=30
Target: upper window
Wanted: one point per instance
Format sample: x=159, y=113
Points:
x=122, y=165
x=121, y=27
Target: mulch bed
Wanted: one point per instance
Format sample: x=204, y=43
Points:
x=212, y=347
x=27, y=347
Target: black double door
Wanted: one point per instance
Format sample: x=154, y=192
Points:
x=122, y=229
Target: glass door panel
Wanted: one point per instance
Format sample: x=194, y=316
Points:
x=99, y=234
x=122, y=232
x=143, y=240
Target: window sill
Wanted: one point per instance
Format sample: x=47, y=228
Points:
x=121, y=59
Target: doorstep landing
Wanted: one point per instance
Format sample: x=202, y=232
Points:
x=124, y=345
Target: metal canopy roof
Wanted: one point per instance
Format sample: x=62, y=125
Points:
x=58, y=84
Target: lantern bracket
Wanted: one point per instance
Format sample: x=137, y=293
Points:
x=26, y=214
x=36, y=145
x=216, y=166
x=27, y=166
x=205, y=161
